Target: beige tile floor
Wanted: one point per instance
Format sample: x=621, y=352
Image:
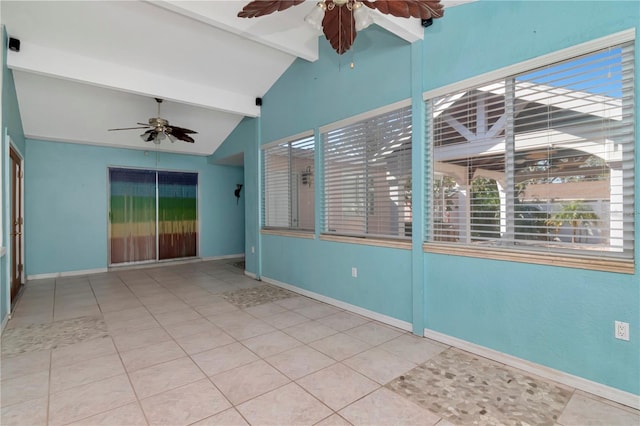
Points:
x=165, y=346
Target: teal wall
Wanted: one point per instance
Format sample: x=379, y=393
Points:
x=240, y=140
x=244, y=139
x=486, y=35
x=309, y=95
x=383, y=284
x=11, y=126
x=66, y=203
x=312, y=94
x=559, y=317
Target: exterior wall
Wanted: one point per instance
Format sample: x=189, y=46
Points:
x=66, y=204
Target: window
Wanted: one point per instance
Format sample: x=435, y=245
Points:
x=288, y=190
x=367, y=176
x=541, y=160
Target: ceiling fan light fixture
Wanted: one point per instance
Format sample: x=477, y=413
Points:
x=362, y=16
x=315, y=17
x=341, y=28
x=159, y=130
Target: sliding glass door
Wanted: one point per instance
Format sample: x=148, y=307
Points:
x=152, y=215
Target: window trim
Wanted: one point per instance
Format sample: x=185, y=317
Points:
x=396, y=243
x=596, y=262
x=284, y=232
x=288, y=139
x=364, y=116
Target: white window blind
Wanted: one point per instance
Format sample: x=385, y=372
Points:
x=288, y=190
x=543, y=159
x=367, y=176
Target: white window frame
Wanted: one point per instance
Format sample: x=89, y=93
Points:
x=600, y=260
x=282, y=215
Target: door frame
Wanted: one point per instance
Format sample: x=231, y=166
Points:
x=16, y=258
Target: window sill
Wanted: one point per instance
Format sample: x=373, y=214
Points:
x=550, y=259
x=379, y=242
x=289, y=233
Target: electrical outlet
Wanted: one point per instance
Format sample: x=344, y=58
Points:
x=354, y=272
x=622, y=330
x=253, y=249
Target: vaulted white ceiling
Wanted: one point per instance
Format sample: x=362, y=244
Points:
x=87, y=66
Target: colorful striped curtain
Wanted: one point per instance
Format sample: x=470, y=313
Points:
x=177, y=214
x=132, y=215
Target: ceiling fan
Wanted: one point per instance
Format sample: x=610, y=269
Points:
x=341, y=19
x=159, y=129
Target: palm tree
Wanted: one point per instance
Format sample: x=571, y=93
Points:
x=574, y=213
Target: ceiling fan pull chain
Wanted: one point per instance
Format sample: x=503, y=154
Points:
x=352, y=64
x=340, y=36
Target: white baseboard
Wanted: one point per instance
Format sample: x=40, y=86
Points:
x=343, y=305
x=130, y=266
x=251, y=275
x=226, y=256
x=613, y=394
x=66, y=274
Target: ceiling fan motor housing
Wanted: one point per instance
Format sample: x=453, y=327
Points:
x=160, y=130
x=158, y=123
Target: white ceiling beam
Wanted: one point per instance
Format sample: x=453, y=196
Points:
x=54, y=63
x=281, y=31
x=410, y=29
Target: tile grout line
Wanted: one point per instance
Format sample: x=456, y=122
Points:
x=187, y=282
x=135, y=394
x=49, y=387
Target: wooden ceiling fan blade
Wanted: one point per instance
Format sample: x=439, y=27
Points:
x=182, y=136
x=180, y=129
x=339, y=28
x=265, y=7
x=423, y=9
x=129, y=128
